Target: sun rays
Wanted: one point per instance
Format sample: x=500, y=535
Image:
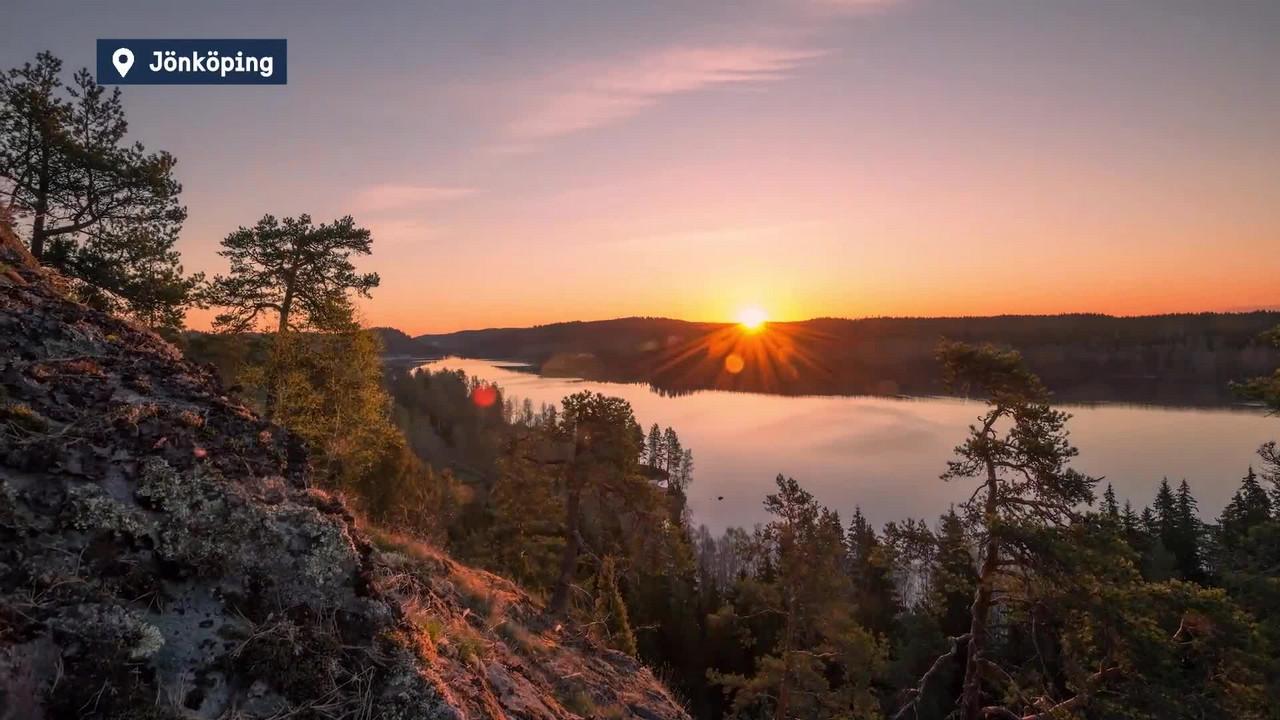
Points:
x=751, y=354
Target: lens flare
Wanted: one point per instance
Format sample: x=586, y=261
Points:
x=484, y=396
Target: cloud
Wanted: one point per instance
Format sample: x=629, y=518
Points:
x=379, y=198
x=601, y=95
x=853, y=6
x=401, y=232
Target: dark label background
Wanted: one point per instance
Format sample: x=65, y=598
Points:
x=143, y=57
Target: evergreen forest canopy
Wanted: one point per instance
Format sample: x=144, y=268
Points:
x=1043, y=596
x=101, y=210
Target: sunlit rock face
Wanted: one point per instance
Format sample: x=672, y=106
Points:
x=163, y=554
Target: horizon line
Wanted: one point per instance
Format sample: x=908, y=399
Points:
x=1271, y=308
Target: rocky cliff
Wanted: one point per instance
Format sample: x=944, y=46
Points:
x=164, y=555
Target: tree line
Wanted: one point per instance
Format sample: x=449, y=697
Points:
x=1182, y=359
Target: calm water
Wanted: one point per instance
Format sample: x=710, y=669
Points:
x=885, y=454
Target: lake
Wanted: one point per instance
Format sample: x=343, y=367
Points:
x=885, y=454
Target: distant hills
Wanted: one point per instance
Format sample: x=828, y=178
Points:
x=398, y=344
x=1184, y=359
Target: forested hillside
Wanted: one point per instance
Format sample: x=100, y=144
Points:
x=397, y=344
x=1043, y=596
x=1163, y=359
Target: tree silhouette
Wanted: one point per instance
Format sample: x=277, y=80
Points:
x=299, y=271
x=1249, y=507
x=1018, y=452
x=102, y=211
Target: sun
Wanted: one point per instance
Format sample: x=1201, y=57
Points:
x=752, y=319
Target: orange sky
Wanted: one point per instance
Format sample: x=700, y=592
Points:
x=523, y=165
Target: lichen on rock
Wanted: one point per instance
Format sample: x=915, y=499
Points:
x=89, y=509
x=165, y=556
x=110, y=629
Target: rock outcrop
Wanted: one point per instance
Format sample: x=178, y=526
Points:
x=164, y=555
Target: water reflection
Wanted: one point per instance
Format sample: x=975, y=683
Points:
x=885, y=454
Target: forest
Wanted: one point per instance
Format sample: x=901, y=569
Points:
x=1042, y=596
x=1185, y=360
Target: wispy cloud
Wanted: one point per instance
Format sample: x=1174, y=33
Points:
x=590, y=97
x=853, y=6
x=380, y=198
x=390, y=232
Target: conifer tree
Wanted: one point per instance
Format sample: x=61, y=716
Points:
x=1019, y=453
x=1250, y=507
x=875, y=595
x=821, y=663
x=953, y=577
x=1165, y=512
x=298, y=272
x=601, y=434
x=1187, y=534
x=102, y=211
x=1110, y=508
x=1150, y=526
x=654, y=456
x=671, y=451
x=684, y=475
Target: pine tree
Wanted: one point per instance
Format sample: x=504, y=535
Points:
x=654, y=443
x=953, y=576
x=1149, y=524
x=294, y=269
x=328, y=389
x=1250, y=507
x=1019, y=453
x=1110, y=508
x=601, y=434
x=684, y=475
x=1166, y=514
x=102, y=211
x=1187, y=533
x=1159, y=522
x=671, y=451
x=820, y=663
x=875, y=595
x=1129, y=520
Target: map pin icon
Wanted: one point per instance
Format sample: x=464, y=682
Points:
x=123, y=60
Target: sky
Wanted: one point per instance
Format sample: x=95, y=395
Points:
x=532, y=161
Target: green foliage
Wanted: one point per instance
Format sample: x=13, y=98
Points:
x=348, y=430
x=1108, y=614
x=953, y=577
x=610, y=611
x=813, y=659
x=327, y=388
x=102, y=211
x=299, y=271
x=1019, y=453
x=876, y=605
x=1265, y=389
x=1249, y=508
